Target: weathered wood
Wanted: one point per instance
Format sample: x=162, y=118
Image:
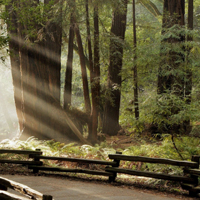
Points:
x=59, y=169
x=80, y=160
x=3, y=187
x=196, y=156
x=193, y=191
x=194, y=171
x=114, y=174
x=194, y=176
x=154, y=160
x=23, y=189
x=20, y=151
x=47, y=197
x=151, y=174
x=8, y=196
x=186, y=186
x=36, y=160
x=22, y=162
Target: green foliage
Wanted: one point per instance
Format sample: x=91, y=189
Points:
x=187, y=146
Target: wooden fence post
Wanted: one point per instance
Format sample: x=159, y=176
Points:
x=113, y=177
x=36, y=159
x=47, y=197
x=195, y=177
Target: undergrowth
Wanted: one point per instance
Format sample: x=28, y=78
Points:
x=187, y=146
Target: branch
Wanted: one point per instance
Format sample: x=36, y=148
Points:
x=176, y=148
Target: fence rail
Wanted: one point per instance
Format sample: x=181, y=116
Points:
x=189, y=180
x=23, y=189
x=151, y=174
x=37, y=152
x=79, y=160
x=154, y=160
x=8, y=196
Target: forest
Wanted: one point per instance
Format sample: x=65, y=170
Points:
x=85, y=69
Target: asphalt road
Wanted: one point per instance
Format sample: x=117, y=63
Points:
x=64, y=189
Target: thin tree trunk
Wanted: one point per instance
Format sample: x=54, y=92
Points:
x=188, y=79
x=188, y=82
x=91, y=66
x=83, y=70
x=95, y=74
x=135, y=76
x=96, y=77
x=68, y=76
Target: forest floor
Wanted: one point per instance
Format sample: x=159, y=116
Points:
x=125, y=140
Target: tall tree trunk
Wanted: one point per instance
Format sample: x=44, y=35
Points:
x=53, y=50
x=40, y=65
x=135, y=76
x=188, y=82
x=12, y=26
x=96, y=76
x=188, y=78
x=83, y=70
x=68, y=76
x=170, y=78
x=94, y=72
x=91, y=66
x=112, y=104
x=173, y=14
x=28, y=86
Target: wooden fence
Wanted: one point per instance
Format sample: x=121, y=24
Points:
x=23, y=189
x=189, y=179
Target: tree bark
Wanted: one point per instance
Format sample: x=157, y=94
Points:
x=12, y=26
x=96, y=76
x=170, y=76
x=39, y=73
x=112, y=104
x=94, y=73
x=83, y=70
x=53, y=51
x=188, y=82
x=91, y=66
x=135, y=76
x=68, y=76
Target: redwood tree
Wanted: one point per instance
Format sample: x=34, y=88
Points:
x=38, y=41
x=171, y=74
x=12, y=27
x=112, y=104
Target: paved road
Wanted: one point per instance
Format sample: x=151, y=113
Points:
x=64, y=189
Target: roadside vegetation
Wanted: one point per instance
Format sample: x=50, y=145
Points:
x=156, y=148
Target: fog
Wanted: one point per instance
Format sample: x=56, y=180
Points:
x=8, y=116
